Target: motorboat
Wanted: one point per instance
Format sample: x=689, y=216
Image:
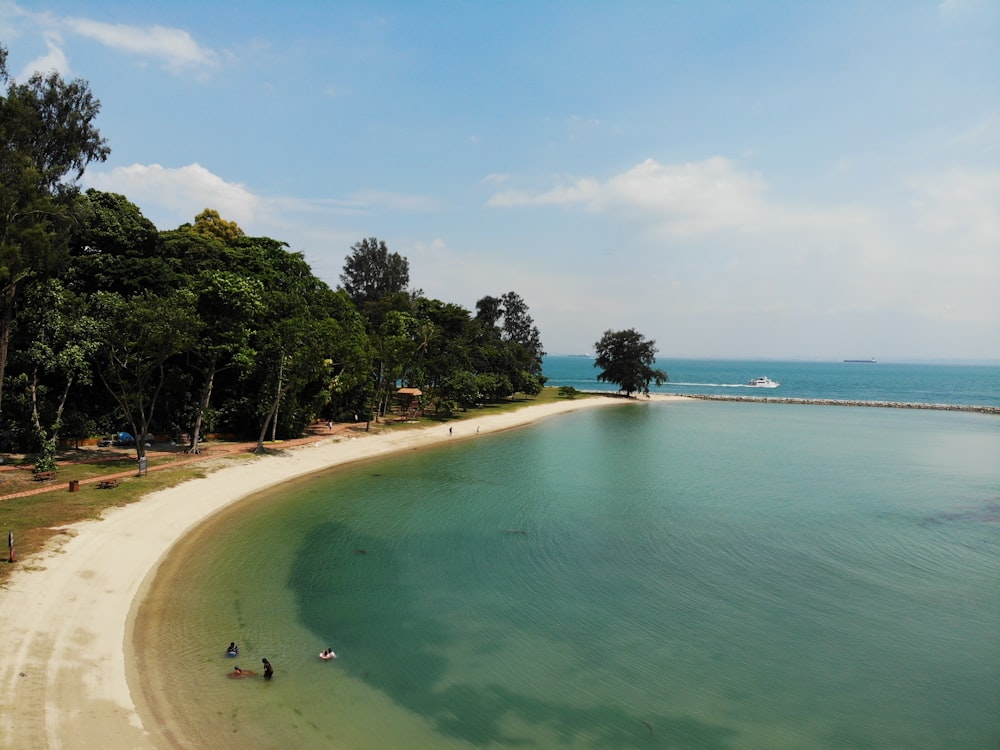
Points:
x=764, y=382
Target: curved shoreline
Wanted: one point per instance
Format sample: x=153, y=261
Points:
x=69, y=677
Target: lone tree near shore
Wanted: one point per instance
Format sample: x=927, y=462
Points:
x=626, y=358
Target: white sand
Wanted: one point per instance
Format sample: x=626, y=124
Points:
x=65, y=617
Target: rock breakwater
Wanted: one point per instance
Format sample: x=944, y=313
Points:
x=840, y=402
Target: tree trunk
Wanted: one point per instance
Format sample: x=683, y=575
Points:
x=6, y=321
x=271, y=414
x=57, y=425
x=206, y=398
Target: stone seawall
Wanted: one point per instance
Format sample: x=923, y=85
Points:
x=838, y=402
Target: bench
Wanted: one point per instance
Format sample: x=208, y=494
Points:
x=44, y=476
x=107, y=484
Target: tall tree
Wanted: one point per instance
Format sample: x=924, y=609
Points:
x=47, y=138
x=510, y=345
x=371, y=272
x=138, y=336
x=57, y=344
x=626, y=359
x=298, y=350
x=227, y=305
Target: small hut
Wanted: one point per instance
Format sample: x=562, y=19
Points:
x=409, y=402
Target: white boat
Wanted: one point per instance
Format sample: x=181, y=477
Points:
x=764, y=382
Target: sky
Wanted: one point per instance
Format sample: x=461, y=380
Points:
x=779, y=179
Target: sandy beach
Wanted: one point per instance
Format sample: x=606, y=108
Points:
x=67, y=673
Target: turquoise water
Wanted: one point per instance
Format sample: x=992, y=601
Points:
x=677, y=575
x=969, y=385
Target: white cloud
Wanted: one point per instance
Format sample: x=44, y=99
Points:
x=584, y=191
x=695, y=197
x=963, y=205
x=171, y=197
x=322, y=228
x=725, y=245
x=175, y=47
x=680, y=200
x=54, y=61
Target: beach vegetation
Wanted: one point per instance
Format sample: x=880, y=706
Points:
x=114, y=325
x=372, y=273
x=626, y=358
x=47, y=138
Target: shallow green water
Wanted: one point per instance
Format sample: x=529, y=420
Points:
x=692, y=575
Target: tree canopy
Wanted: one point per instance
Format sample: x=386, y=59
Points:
x=114, y=325
x=626, y=359
x=372, y=273
x=47, y=138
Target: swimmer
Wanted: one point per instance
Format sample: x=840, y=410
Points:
x=268, y=669
x=233, y=649
x=327, y=653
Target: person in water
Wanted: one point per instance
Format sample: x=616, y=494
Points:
x=233, y=649
x=327, y=653
x=268, y=669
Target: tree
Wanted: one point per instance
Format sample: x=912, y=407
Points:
x=371, y=272
x=59, y=342
x=210, y=224
x=520, y=329
x=510, y=345
x=114, y=248
x=137, y=338
x=46, y=133
x=299, y=349
x=227, y=305
x=626, y=358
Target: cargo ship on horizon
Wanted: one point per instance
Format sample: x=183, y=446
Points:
x=869, y=361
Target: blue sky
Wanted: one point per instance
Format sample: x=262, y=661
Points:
x=800, y=180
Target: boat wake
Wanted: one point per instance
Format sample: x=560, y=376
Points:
x=712, y=385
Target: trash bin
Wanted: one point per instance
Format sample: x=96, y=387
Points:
x=74, y=485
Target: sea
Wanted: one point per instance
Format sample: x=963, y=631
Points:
x=676, y=574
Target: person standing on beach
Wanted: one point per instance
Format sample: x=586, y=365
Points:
x=268, y=669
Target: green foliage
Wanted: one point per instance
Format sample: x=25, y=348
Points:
x=626, y=358
x=47, y=138
x=46, y=460
x=462, y=387
x=568, y=391
x=372, y=273
x=115, y=325
x=210, y=224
